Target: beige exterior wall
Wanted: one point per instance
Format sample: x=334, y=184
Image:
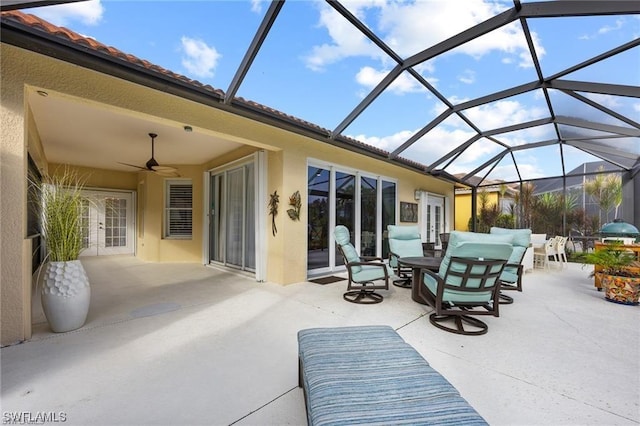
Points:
x=286, y=159
x=15, y=262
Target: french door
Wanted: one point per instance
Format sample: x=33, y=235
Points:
x=108, y=223
x=433, y=218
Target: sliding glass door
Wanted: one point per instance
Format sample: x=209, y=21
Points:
x=345, y=212
x=364, y=203
x=232, y=218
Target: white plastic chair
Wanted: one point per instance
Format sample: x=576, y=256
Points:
x=541, y=255
x=561, y=254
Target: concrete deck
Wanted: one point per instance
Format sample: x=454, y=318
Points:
x=183, y=344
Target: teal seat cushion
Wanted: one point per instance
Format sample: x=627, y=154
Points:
x=368, y=273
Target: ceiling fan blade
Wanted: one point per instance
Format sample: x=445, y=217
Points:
x=167, y=173
x=164, y=169
x=133, y=165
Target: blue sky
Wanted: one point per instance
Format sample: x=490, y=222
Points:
x=315, y=66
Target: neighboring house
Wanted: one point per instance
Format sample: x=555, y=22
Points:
x=575, y=185
x=463, y=199
x=231, y=157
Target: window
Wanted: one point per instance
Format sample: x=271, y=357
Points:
x=178, y=209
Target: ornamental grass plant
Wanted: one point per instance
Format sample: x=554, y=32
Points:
x=62, y=206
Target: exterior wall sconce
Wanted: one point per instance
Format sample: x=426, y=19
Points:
x=416, y=194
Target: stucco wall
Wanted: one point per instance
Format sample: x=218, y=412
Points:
x=14, y=306
x=463, y=209
x=287, y=156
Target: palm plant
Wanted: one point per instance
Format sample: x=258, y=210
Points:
x=606, y=190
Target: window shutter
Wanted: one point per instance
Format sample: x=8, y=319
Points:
x=179, y=209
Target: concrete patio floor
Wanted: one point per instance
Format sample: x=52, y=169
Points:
x=184, y=344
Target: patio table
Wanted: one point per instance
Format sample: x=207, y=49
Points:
x=417, y=263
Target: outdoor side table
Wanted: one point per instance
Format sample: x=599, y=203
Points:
x=417, y=263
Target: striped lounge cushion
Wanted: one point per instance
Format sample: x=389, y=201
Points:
x=370, y=375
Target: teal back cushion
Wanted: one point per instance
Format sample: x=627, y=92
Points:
x=521, y=240
x=482, y=251
x=456, y=238
x=343, y=239
x=405, y=241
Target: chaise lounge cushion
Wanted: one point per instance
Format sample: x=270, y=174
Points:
x=370, y=375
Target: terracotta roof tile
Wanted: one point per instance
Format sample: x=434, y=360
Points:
x=35, y=22
x=64, y=33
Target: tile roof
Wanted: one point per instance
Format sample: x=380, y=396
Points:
x=66, y=34
x=37, y=23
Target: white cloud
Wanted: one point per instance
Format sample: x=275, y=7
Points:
x=608, y=28
x=504, y=113
x=618, y=25
x=256, y=6
x=467, y=77
x=410, y=27
x=387, y=143
x=609, y=101
x=86, y=12
x=347, y=41
x=199, y=59
x=453, y=132
x=405, y=83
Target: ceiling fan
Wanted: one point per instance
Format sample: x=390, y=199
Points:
x=153, y=166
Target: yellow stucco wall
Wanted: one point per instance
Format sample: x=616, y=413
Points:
x=463, y=209
x=286, y=157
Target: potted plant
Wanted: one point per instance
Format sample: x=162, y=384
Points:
x=618, y=270
x=65, y=291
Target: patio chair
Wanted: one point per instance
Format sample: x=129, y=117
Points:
x=542, y=254
x=561, y=254
x=444, y=241
x=363, y=271
x=404, y=241
x=467, y=285
x=511, y=277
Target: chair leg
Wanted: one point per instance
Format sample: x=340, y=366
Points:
x=504, y=299
x=477, y=327
x=404, y=282
x=363, y=297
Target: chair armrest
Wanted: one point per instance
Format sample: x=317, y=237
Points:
x=366, y=264
x=371, y=258
x=433, y=274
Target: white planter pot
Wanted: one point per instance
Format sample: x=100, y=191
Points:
x=65, y=295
